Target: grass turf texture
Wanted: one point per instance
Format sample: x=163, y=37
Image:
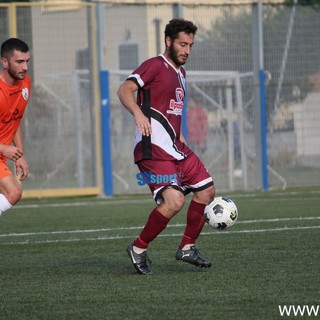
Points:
x=66, y=259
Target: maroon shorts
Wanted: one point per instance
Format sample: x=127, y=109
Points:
x=187, y=175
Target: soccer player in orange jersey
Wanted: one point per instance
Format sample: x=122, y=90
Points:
x=14, y=96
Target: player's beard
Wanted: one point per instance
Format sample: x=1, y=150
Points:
x=173, y=54
x=16, y=75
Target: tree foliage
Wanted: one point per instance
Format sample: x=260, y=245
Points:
x=303, y=2
x=315, y=4
x=227, y=45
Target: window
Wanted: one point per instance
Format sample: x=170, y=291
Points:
x=128, y=56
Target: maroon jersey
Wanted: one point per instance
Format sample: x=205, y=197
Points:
x=161, y=94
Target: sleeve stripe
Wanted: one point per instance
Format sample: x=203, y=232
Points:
x=135, y=77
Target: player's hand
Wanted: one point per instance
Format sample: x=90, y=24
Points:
x=22, y=168
x=11, y=152
x=143, y=124
x=182, y=139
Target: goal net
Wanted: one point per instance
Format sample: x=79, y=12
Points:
x=218, y=125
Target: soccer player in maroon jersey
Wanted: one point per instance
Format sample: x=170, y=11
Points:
x=161, y=150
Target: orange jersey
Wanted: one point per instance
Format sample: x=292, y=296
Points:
x=13, y=102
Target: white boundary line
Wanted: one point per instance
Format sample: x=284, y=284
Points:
x=140, y=227
x=226, y=232
x=82, y=203
x=162, y=235
x=148, y=198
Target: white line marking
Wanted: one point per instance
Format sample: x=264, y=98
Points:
x=111, y=201
x=279, y=219
x=140, y=227
x=163, y=235
x=225, y=232
x=80, y=204
x=66, y=232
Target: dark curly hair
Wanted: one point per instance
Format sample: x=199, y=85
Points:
x=179, y=25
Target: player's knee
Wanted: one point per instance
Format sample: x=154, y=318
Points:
x=174, y=200
x=178, y=202
x=14, y=195
x=211, y=193
x=205, y=195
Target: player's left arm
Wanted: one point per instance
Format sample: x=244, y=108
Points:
x=22, y=167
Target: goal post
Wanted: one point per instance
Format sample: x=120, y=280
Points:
x=221, y=92
x=226, y=97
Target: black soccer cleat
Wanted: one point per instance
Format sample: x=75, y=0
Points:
x=192, y=256
x=139, y=261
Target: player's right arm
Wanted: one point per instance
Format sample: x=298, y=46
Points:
x=11, y=152
x=127, y=98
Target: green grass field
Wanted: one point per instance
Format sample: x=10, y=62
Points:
x=66, y=259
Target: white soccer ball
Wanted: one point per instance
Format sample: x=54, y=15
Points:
x=221, y=213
